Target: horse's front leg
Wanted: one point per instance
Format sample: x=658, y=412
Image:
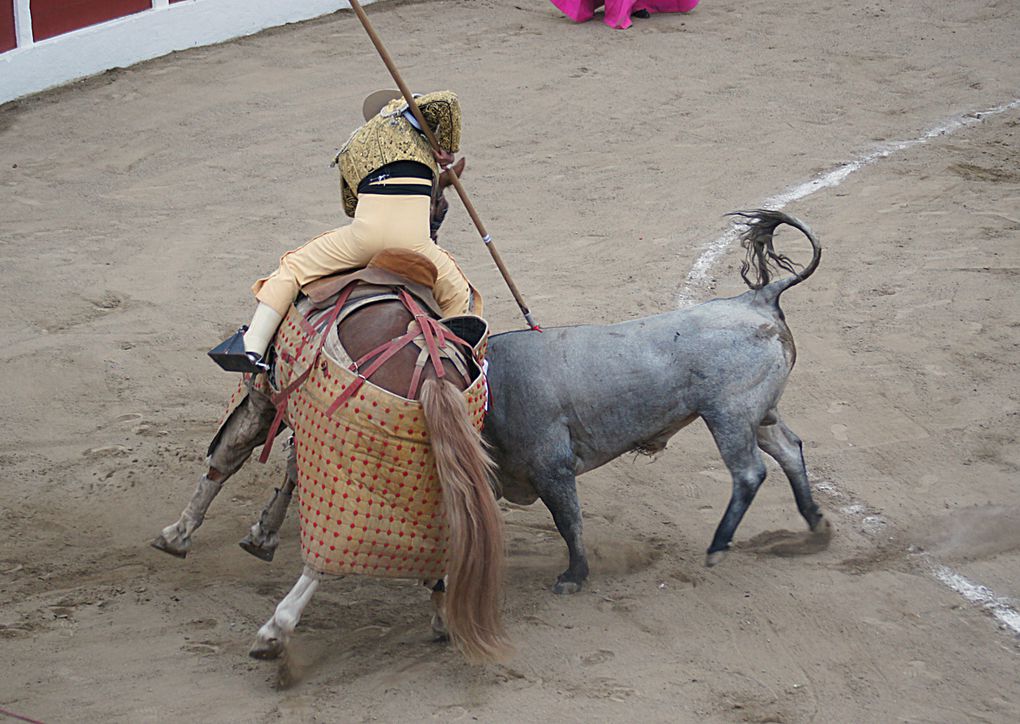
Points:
x=244, y=430
x=264, y=536
x=272, y=638
x=175, y=539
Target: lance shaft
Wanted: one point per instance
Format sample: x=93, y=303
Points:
x=416, y=111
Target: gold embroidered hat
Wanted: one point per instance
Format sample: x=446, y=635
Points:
x=375, y=102
x=441, y=110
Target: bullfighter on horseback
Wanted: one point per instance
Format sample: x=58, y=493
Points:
x=390, y=180
x=391, y=184
x=378, y=373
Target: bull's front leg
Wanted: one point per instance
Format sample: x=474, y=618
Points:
x=558, y=490
x=264, y=536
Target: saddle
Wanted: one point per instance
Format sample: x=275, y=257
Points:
x=392, y=275
x=387, y=269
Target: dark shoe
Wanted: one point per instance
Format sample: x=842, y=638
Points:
x=643, y=14
x=230, y=355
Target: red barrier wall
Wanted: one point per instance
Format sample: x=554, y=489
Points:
x=8, y=40
x=53, y=17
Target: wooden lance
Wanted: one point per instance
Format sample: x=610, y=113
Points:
x=413, y=107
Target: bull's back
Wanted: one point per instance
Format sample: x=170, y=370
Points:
x=595, y=392
x=723, y=341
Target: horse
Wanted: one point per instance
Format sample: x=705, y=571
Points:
x=571, y=399
x=386, y=325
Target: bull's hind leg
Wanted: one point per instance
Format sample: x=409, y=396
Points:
x=558, y=491
x=781, y=443
x=244, y=430
x=735, y=439
x=272, y=638
x=264, y=536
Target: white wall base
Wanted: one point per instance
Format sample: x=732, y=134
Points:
x=146, y=35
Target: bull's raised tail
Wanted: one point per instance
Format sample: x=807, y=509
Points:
x=762, y=258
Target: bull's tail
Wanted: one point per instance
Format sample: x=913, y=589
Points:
x=762, y=257
x=475, y=571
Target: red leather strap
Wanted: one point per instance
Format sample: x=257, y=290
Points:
x=387, y=351
x=434, y=334
x=280, y=399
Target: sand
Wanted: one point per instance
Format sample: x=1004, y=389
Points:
x=137, y=207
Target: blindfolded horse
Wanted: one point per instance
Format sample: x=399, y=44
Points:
x=396, y=481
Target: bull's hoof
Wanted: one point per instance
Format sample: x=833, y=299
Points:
x=822, y=529
x=162, y=544
x=260, y=552
x=266, y=649
x=565, y=588
x=715, y=558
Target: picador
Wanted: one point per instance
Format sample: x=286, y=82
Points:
x=390, y=181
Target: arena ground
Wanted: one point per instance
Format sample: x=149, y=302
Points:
x=138, y=206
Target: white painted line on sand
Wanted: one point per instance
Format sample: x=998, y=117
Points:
x=873, y=524
x=714, y=251
x=978, y=595
x=975, y=593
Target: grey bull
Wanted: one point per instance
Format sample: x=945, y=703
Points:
x=571, y=399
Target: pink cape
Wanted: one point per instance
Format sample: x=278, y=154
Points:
x=618, y=12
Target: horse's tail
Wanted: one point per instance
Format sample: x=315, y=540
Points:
x=761, y=254
x=475, y=574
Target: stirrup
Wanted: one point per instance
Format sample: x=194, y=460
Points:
x=230, y=355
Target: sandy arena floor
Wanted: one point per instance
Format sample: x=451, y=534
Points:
x=137, y=207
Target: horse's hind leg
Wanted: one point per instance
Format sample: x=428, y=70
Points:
x=736, y=442
x=781, y=443
x=272, y=638
x=439, y=628
x=244, y=430
x=264, y=536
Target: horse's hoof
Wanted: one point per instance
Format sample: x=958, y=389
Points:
x=439, y=629
x=713, y=559
x=565, y=588
x=249, y=545
x=266, y=650
x=162, y=544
